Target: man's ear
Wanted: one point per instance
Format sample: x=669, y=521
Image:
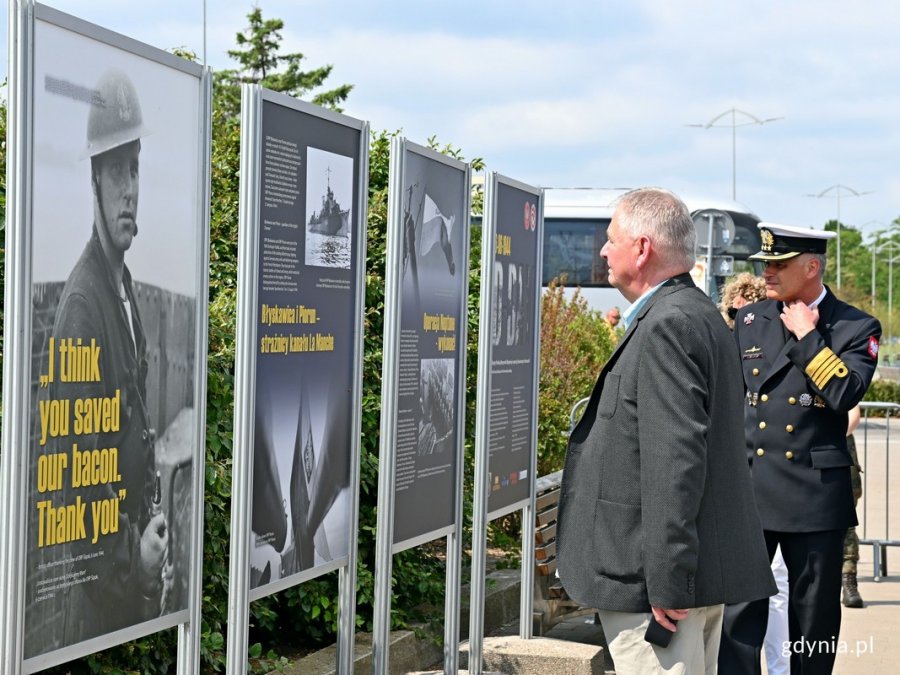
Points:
x=643, y=247
x=814, y=268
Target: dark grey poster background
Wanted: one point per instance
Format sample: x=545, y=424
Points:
x=309, y=219
x=513, y=345
x=433, y=277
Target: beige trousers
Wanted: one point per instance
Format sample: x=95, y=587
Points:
x=694, y=649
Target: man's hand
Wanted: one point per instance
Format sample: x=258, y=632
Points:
x=663, y=617
x=154, y=547
x=799, y=319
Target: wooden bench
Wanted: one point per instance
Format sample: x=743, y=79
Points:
x=551, y=603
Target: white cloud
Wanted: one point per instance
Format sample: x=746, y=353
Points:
x=590, y=94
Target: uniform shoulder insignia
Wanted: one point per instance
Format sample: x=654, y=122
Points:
x=873, y=347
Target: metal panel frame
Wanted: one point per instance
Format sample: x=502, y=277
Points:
x=23, y=16
x=113, y=39
x=16, y=331
x=244, y=381
x=189, y=632
x=480, y=517
x=240, y=595
x=384, y=546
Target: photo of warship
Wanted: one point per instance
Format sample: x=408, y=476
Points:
x=329, y=204
x=331, y=219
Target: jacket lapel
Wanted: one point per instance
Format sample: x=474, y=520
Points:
x=670, y=286
x=780, y=339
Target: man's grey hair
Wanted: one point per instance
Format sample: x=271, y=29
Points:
x=663, y=217
x=822, y=258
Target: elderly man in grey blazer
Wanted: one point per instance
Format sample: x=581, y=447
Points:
x=657, y=516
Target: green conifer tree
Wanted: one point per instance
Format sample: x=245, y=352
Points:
x=258, y=54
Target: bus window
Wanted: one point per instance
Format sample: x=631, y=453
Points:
x=746, y=236
x=572, y=248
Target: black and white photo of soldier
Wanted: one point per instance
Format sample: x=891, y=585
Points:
x=436, y=414
x=116, y=225
x=98, y=306
x=329, y=200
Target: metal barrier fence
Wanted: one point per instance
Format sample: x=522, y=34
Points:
x=875, y=458
x=874, y=509
x=575, y=415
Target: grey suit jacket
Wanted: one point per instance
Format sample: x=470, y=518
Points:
x=657, y=505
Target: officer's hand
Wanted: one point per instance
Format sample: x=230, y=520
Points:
x=799, y=318
x=154, y=547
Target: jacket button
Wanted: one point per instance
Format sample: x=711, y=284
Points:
x=762, y=425
x=764, y=398
x=789, y=455
x=792, y=400
x=144, y=434
x=789, y=428
x=760, y=452
x=756, y=371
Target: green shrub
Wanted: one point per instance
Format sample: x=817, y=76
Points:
x=575, y=343
x=882, y=391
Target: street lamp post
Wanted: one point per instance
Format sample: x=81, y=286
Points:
x=836, y=192
x=734, y=124
x=892, y=247
x=875, y=248
x=891, y=299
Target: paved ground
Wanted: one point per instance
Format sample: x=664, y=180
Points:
x=870, y=637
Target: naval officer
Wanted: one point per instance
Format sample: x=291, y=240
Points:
x=807, y=359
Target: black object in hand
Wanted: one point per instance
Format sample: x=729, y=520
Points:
x=657, y=634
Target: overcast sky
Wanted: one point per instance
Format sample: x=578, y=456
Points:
x=597, y=93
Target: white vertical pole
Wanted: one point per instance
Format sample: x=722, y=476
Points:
x=16, y=334
x=384, y=528
x=526, y=623
x=189, y=633
x=482, y=432
x=244, y=384
x=347, y=575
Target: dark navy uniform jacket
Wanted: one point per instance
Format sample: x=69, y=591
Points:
x=798, y=394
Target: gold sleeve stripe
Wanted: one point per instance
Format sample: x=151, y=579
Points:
x=832, y=363
x=828, y=362
x=824, y=366
x=818, y=361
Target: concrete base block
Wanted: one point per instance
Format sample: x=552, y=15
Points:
x=406, y=652
x=538, y=656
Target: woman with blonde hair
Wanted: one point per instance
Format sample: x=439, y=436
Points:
x=741, y=290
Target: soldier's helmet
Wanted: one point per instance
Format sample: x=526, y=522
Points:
x=115, y=117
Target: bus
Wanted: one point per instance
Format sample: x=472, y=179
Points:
x=575, y=224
